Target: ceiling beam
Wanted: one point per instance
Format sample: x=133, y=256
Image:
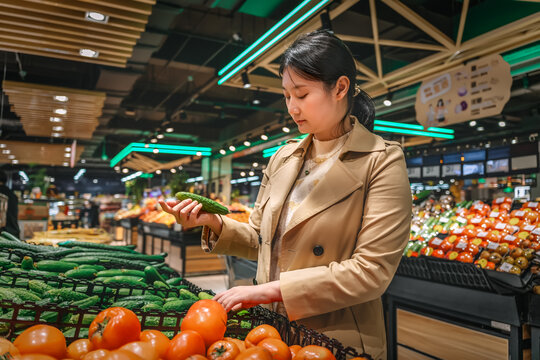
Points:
x=464, y=9
x=393, y=43
x=375, y=32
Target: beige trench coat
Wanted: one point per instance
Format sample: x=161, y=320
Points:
x=343, y=243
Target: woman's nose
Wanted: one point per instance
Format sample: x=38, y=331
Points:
x=294, y=110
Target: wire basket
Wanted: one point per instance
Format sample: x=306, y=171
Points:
x=414, y=267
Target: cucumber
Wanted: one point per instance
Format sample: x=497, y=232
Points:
x=124, y=256
x=178, y=305
x=81, y=273
x=86, y=303
x=27, y=263
x=6, y=264
x=25, y=295
x=39, y=287
x=55, y=265
x=131, y=305
x=88, y=245
x=152, y=276
x=208, y=205
x=126, y=280
x=97, y=268
x=9, y=244
x=48, y=274
x=120, y=272
x=7, y=294
x=204, y=295
x=10, y=237
x=149, y=297
x=152, y=306
x=65, y=295
x=188, y=295
x=175, y=281
x=161, y=285
x=71, y=333
x=82, y=260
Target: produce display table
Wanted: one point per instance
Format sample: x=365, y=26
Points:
x=129, y=226
x=64, y=223
x=428, y=319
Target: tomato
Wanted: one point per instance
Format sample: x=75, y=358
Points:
x=35, y=357
x=427, y=251
x=196, y=357
x=7, y=349
x=473, y=248
x=490, y=265
x=259, y=333
x=185, y=344
x=142, y=349
x=208, y=318
x=241, y=345
x=96, y=354
x=222, y=350
x=113, y=328
x=77, y=349
x=158, y=340
x=465, y=257
x=42, y=339
x=122, y=354
x=445, y=246
x=294, y=349
x=438, y=254
x=314, y=352
x=255, y=353
x=278, y=349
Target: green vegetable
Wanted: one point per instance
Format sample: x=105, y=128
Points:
x=6, y=264
x=81, y=273
x=66, y=295
x=124, y=256
x=151, y=275
x=87, y=245
x=83, y=260
x=208, y=205
x=120, y=272
x=55, y=265
x=27, y=263
x=39, y=287
x=175, y=281
x=188, y=295
x=204, y=295
x=7, y=294
x=161, y=285
x=126, y=280
x=178, y=305
x=10, y=237
x=97, y=268
x=147, y=297
x=25, y=295
x=151, y=306
x=86, y=303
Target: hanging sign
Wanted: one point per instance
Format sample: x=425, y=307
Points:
x=476, y=90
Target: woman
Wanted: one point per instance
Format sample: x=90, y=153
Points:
x=333, y=212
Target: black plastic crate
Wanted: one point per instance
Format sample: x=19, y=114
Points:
x=508, y=284
x=414, y=267
x=458, y=274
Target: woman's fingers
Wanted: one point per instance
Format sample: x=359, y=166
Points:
x=165, y=207
x=195, y=211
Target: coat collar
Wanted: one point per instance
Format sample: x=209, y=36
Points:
x=360, y=140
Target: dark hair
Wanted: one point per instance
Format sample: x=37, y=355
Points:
x=322, y=56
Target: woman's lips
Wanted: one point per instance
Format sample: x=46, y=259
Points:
x=300, y=122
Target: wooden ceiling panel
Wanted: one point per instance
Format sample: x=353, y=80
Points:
x=36, y=104
x=37, y=153
x=59, y=29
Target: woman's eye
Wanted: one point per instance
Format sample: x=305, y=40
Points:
x=303, y=96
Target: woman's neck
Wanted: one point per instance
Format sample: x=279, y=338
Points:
x=342, y=128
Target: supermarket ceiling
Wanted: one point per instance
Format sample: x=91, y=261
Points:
x=158, y=65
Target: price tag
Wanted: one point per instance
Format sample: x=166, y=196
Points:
x=415, y=229
x=520, y=213
x=476, y=220
x=478, y=206
x=461, y=220
x=436, y=242
x=506, y=267
x=533, y=204
x=492, y=245
x=482, y=234
x=510, y=238
x=458, y=231
x=499, y=200
x=444, y=220
x=500, y=226
x=494, y=214
x=529, y=228
x=461, y=245
x=536, y=231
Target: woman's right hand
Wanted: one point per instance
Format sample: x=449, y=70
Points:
x=188, y=214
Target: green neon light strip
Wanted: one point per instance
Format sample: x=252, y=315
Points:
x=441, y=130
x=170, y=151
x=273, y=41
x=122, y=154
x=266, y=34
x=396, y=124
x=164, y=149
x=526, y=54
x=271, y=151
x=177, y=147
x=525, y=69
x=412, y=132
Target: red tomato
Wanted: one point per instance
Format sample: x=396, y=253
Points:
x=42, y=339
x=158, y=340
x=113, y=328
x=185, y=344
x=255, y=353
x=446, y=246
x=99, y=354
x=223, y=350
x=276, y=347
x=465, y=257
x=122, y=354
x=77, y=349
x=35, y=357
x=7, y=349
x=196, y=357
x=473, y=249
x=438, y=253
x=142, y=349
x=294, y=349
x=312, y=352
x=494, y=236
x=208, y=318
x=260, y=333
x=532, y=216
x=241, y=345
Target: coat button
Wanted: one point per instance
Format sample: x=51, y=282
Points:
x=255, y=281
x=318, y=250
x=260, y=240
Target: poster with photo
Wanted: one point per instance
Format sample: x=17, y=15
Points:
x=478, y=89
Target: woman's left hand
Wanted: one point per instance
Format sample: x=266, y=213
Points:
x=243, y=297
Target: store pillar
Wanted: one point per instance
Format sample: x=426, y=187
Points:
x=218, y=172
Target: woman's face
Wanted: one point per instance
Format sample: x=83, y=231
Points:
x=313, y=108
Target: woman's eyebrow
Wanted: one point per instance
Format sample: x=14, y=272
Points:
x=295, y=86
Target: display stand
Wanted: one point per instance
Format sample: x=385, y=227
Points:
x=534, y=321
x=433, y=320
x=64, y=223
x=130, y=230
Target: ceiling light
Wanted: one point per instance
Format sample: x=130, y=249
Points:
x=11, y=157
x=256, y=102
x=158, y=171
x=89, y=53
x=480, y=128
x=125, y=170
x=286, y=129
x=180, y=167
x=199, y=153
x=95, y=181
x=472, y=123
x=245, y=80
x=160, y=136
x=502, y=123
x=67, y=155
x=247, y=143
x=55, y=119
x=57, y=128
x=65, y=164
x=61, y=98
x=56, y=134
x=251, y=173
x=153, y=140
x=255, y=164
x=117, y=168
x=222, y=152
x=388, y=100
x=514, y=141
x=264, y=137
x=169, y=129
x=129, y=112
x=7, y=151
x=242, y=174
x=488, y=145
x=155, y=151
x=60, y=111
x=83, y=161
x=68, y=149
x=232, y=148
x=96, y=17
x=2, y=146
x=14, y=161
x=173, y=170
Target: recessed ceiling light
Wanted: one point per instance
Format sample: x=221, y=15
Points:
x=14, y=161
x=95, y=181
x=6, y=151
x=57, y=128
x=67, y=155
x=480, y=128
x=96, y=17
x=60, y=111
x=180, y=167
x=153, y=141
x=11, y=157
x=56, y=134
x=232, y=148
x=264, y=137
x=502, y=123
x=255, y=164
x=89, y=53
x=117, y=168
x=247, y=143
x=472, y=123
x=285, y=129
x=68, y=149
x=170, y=129
x=251, y=173
x=155, y=151
x=222, y=152
x=158, y=171
x=55, y=119
x=173, y=170
x=199, y=153
x=83, y=161
x=124, y=170
x=242, y=174
x=61, y=98
x=160, y=136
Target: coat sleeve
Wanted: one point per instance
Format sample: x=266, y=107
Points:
x=237, y=238
x=379, y=245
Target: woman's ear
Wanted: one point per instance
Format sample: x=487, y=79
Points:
x=342, y=87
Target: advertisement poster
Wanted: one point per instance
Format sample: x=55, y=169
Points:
x=478, y=89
